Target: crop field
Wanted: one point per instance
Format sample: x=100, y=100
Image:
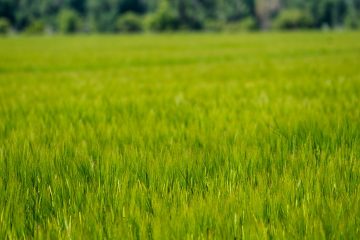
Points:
x=180, y=136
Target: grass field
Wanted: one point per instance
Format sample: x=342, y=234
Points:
x=182, y=136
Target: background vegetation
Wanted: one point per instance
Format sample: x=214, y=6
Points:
x=70, y=16
x=186, y=136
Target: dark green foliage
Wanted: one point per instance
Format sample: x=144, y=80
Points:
x=164, y=19
x=190, y=14
x=78, y=5
x=129, y=22
x=137, y=6
x=8, y=9
x=101, y=16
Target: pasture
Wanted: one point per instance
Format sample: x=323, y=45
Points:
x=180, y=136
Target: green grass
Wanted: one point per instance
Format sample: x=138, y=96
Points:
x=180, y=136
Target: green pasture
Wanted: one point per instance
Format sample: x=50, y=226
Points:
x=184, y=136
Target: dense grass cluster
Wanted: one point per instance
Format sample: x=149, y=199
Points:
x=180, y=136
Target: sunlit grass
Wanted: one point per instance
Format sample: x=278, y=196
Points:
x=180, y=136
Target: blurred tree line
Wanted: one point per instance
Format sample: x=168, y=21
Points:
x=68, y=16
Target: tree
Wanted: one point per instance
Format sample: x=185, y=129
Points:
x=4, y=26
x=292, y=19
x=36, y=27
x=8, y=10
x=69, y=21
x=352, y=19
x=164, y=19
x=265, y=9
x=102, y=15
x=129, y=22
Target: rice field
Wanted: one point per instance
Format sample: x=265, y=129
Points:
x=180, y=136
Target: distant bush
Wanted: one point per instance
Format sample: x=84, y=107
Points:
x=192, y=23
x=69, y=21
x=292, y=19
x=247, y=24
x=129, y=22
x=352, y=21
x=214, y=25
x=36, y=27
x=233, y=27
x=4, y=26
x=163, y=20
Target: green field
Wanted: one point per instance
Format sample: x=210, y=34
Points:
x=186, y=136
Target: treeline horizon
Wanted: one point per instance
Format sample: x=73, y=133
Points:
x=110, y=16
